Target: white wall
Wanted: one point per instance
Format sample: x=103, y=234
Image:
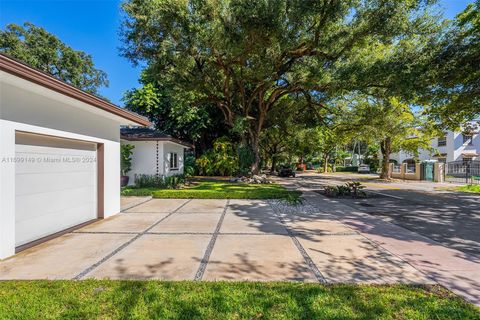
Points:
x=172, y=147
x=36, y=112
x=460, y=147
x=453, y=149
x=144, y=158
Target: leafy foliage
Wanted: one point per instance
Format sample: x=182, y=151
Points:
x=44, y=51
x=453, y=73
x=245, y=159
x=189, y=165
x=126, y=158
x=353, y=188
x=243, y=57
x=159, y=181
x=172, y=113
x=391, y=124
x=222, y=160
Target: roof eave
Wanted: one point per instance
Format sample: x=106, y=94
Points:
x=173, y=140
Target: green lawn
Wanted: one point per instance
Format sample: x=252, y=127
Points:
x=219, y=190
x=94, y=299
x=470, y=188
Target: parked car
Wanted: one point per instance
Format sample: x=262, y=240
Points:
x=364, y=168
x=286, y=172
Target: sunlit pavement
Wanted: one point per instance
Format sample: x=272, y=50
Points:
x=436, y=232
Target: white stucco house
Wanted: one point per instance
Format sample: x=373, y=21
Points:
x=154, y=153
x=59, y=156
x=452, y=146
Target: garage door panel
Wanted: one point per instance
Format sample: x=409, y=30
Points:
x=36, y=183
x=55, y=187
x=40, y=226
x=38, y=204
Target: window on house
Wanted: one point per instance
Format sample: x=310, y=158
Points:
x=173, y=160
x=467, y=139
x=442, y=141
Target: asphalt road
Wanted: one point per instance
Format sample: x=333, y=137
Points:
x=450, y=218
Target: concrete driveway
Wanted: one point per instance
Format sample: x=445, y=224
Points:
x=176, y=239
x=447, y=217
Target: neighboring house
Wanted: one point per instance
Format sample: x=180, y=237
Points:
x=154, y=153
x=453, y=146
x=59, y=156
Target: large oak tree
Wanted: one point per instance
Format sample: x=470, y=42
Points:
x=244, y=56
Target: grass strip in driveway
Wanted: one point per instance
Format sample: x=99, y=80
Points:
x=107, y=299
x=219, y=190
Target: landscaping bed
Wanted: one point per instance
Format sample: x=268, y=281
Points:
x=469, y=188
x=218, y=190
x=107, y=299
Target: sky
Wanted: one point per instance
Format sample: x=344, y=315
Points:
x=93, y=26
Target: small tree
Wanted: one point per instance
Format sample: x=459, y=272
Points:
x=393, y=125
x=126, y=158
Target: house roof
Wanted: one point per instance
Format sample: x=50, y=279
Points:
x=24, y=71
x=147, y=134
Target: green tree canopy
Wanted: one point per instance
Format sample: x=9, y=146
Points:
x=392, y=124
x=243, y=56
x=44, y=51
x=454, y=71
x=172, y=113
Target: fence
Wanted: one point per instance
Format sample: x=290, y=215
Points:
x=404, y=171
x=463, y=172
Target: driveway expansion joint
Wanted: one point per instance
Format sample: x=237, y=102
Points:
x=308, y=260
x=211, y=244
x=385, y=252
x=136, y=204
x=126, y=244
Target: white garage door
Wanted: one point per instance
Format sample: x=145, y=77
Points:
x=55, y=185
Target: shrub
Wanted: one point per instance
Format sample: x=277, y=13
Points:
x=126, y=158
x=189, y=166
x=222, y=160
x=347, y=169
x=356, y=188
x=160, y=182
x=245, y=159
x=353, y=188
x=330, y=169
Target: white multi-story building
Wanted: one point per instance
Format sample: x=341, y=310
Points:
x=453, y=146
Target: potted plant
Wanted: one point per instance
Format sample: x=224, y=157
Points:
x=125, y=162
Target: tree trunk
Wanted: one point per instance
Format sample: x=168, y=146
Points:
x=274, y=163
x=255, y=167
x=386, y=149
x=325, y=163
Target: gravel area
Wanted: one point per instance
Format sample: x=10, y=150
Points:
x=284, y=208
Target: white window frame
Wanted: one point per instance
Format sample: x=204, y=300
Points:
x=173, y=160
